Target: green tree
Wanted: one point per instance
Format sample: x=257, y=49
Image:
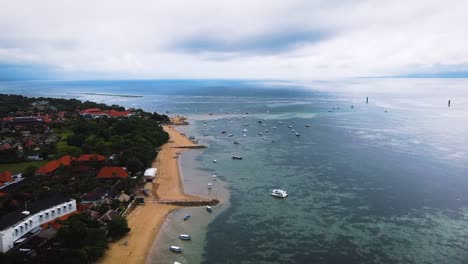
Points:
x=134, y=165
x=118, y=227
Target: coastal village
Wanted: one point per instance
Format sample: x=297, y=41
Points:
x=69, y=178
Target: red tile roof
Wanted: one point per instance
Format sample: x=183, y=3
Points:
x=91, y=157
x=66, y=160
x=53, y=165
x=49, y=167
x=90, y=110
x=115, y=113
x=6, y=177
x=112, y=172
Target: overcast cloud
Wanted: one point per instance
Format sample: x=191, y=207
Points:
x=234, y=39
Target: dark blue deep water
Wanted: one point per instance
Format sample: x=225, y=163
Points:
x=383, y=182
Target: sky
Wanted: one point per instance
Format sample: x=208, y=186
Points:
x=242, y=39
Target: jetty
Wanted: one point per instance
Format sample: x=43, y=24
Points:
x=191, y=147
x=187, y=203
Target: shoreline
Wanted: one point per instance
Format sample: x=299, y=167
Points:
x=146, y=221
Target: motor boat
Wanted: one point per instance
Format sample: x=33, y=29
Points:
x=214, y=161
x=210, y=185
x=244, y=130
x=297, y=134
x=187, y=217
x=236, y=157
x=185, y=237
x=175, y=249
x=279, y=193
x=208, y=208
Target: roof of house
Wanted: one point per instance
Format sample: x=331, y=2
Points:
x=97, y=194
x=108, y=216
x=91, y=157
x=90, y=110
x=35, y=207
x=124, y=198
x=66, y=160
x=5, y=146
x=6, y=176
x=112, y=172
x=52, y=165
x=115, y=113
x=49, y=167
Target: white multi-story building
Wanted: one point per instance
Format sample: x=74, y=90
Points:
x=16, y=225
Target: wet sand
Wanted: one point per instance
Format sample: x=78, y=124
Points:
x=145, y=221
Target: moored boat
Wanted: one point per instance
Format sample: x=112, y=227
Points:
x=185, y=237
x=175, y=249
x=279, y=193
x=236, y=157
x=187, y=217
x=209, y=209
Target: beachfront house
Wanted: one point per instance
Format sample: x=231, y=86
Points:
x=109, y=172
x=150, y=174
x=17, y=225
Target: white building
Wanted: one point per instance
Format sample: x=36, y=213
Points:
x=15, y=225
x=150, y=173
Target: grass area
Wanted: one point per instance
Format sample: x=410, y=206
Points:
x=20, y=166
x=63, y=132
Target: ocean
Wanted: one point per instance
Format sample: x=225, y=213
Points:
x=378, y=182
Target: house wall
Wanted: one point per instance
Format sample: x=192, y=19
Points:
x=10, y=234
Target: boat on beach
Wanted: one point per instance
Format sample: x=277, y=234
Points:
x=175, y=249
x=279, y=193
x=185, y=237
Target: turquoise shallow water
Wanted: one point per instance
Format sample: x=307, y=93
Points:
x=384, y=182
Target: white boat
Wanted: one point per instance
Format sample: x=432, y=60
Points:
x=279, y=122
x=214, y=161
x=210, y=185
x=274, y=127
x=208, y=208
x=175, y=262
x=260, y=133
x=244, y=130
x=279, y=193
x=297, y=134
x=185, y=237
x=246, y=124
x=175, y=249
x=230, y=135
x=213, y=176
x=290, y=126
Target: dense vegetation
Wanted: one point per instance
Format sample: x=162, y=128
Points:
x=134, y=140
x=130, y=142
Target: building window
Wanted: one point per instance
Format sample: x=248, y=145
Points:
x=69, y=205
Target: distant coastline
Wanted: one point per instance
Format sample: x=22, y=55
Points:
x=115, y=95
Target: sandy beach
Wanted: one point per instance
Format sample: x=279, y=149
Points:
x=145, y=221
